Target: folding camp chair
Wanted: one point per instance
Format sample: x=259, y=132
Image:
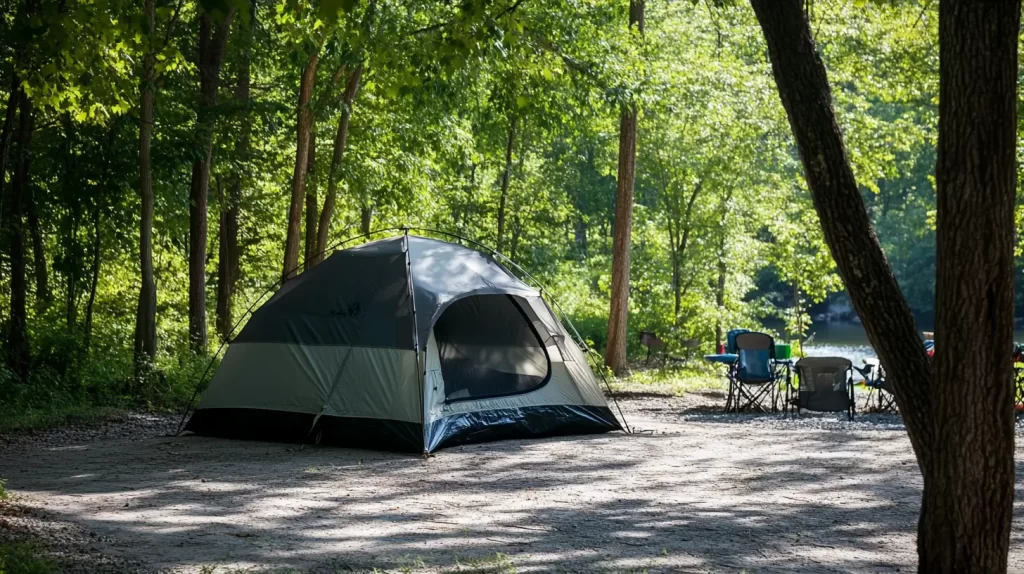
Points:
x=1018, y=377
x=825, y=385
x=879, y=389
x=753, y=380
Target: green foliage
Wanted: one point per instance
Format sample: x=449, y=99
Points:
x=23, y=558
x=725, y=234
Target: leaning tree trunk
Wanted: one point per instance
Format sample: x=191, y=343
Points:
x=18, y=356
x=806, y=96
x=615, y=357
x=212, y=41
x=145, y=317
x=340, y=140
x=967, y=507
x=228, y=254
x=312, y=218
x=304, y=122
x=505, y=176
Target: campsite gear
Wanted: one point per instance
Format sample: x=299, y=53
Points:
x=879, y=389
x=754, y=378
x=783, y=351
x=825, y=384
x=730, y=339
x=404, y=343
x=652, y=342
x=725, y=358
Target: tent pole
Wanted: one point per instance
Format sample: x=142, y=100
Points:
x=420, y=373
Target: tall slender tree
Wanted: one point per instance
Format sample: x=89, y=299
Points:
x=962, y=433
x=18, y=354
x=506, y=174
x=615, y=357
x=213, y=37
x=304, y=124
x=228, y=254
x=334, y=175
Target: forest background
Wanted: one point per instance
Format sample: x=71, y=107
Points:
x=281, y=127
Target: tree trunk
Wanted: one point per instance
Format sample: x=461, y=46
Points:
x=39, y=269
x=505, y=176
x=94, y=275
x=962, y=433
x=312, y=217
x=304, y=121
x=97, y=240
x=615, y=357
x=145, y=318
x=967, y=506
x=212, y=41
x=517, y=230
x=228, y=253
x=804, y=90
x=340, y=140
x=5, y=146
x=365, y=219
x=18, y=354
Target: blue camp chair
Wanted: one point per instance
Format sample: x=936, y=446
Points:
x=753, y=380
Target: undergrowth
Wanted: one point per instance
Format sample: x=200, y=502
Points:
x=675, y=380
x=23, y=558
x=93, y=392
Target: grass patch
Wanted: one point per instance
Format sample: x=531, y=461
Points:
x=65, y=415
x=670, y=380
x=23, y=558
x=497, y=564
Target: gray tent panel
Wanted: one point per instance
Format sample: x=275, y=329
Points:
x=353, y=298
x=443, y=272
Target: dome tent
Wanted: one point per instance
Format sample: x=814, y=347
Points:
x=342, y=354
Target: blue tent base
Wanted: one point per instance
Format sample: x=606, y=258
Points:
x=402, y=436
x=525, y=422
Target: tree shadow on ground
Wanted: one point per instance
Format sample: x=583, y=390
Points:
x=735, y=499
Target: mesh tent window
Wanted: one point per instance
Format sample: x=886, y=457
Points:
x=489, y=348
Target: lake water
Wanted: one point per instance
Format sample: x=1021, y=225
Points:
x=848, y=340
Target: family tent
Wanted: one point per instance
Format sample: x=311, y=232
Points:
x=408, y=344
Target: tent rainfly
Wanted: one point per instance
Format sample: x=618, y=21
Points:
x=408, y=344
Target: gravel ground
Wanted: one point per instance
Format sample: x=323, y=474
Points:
x=694, y=490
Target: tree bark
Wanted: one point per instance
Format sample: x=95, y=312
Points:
x=340, y=141
x=967, y=506
x=304, y=121
x=18, y=354
x=212, y=41
x=94, y=277
x=145, y=318
x=228, y=251
x=365, y=219
x=39, y=268
x=312, y=217
x=806, y=96
x=615, y=357
x=505, y=176
x=679, y=250
x=5, y=146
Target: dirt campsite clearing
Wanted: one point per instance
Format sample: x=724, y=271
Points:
x=693, y=491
